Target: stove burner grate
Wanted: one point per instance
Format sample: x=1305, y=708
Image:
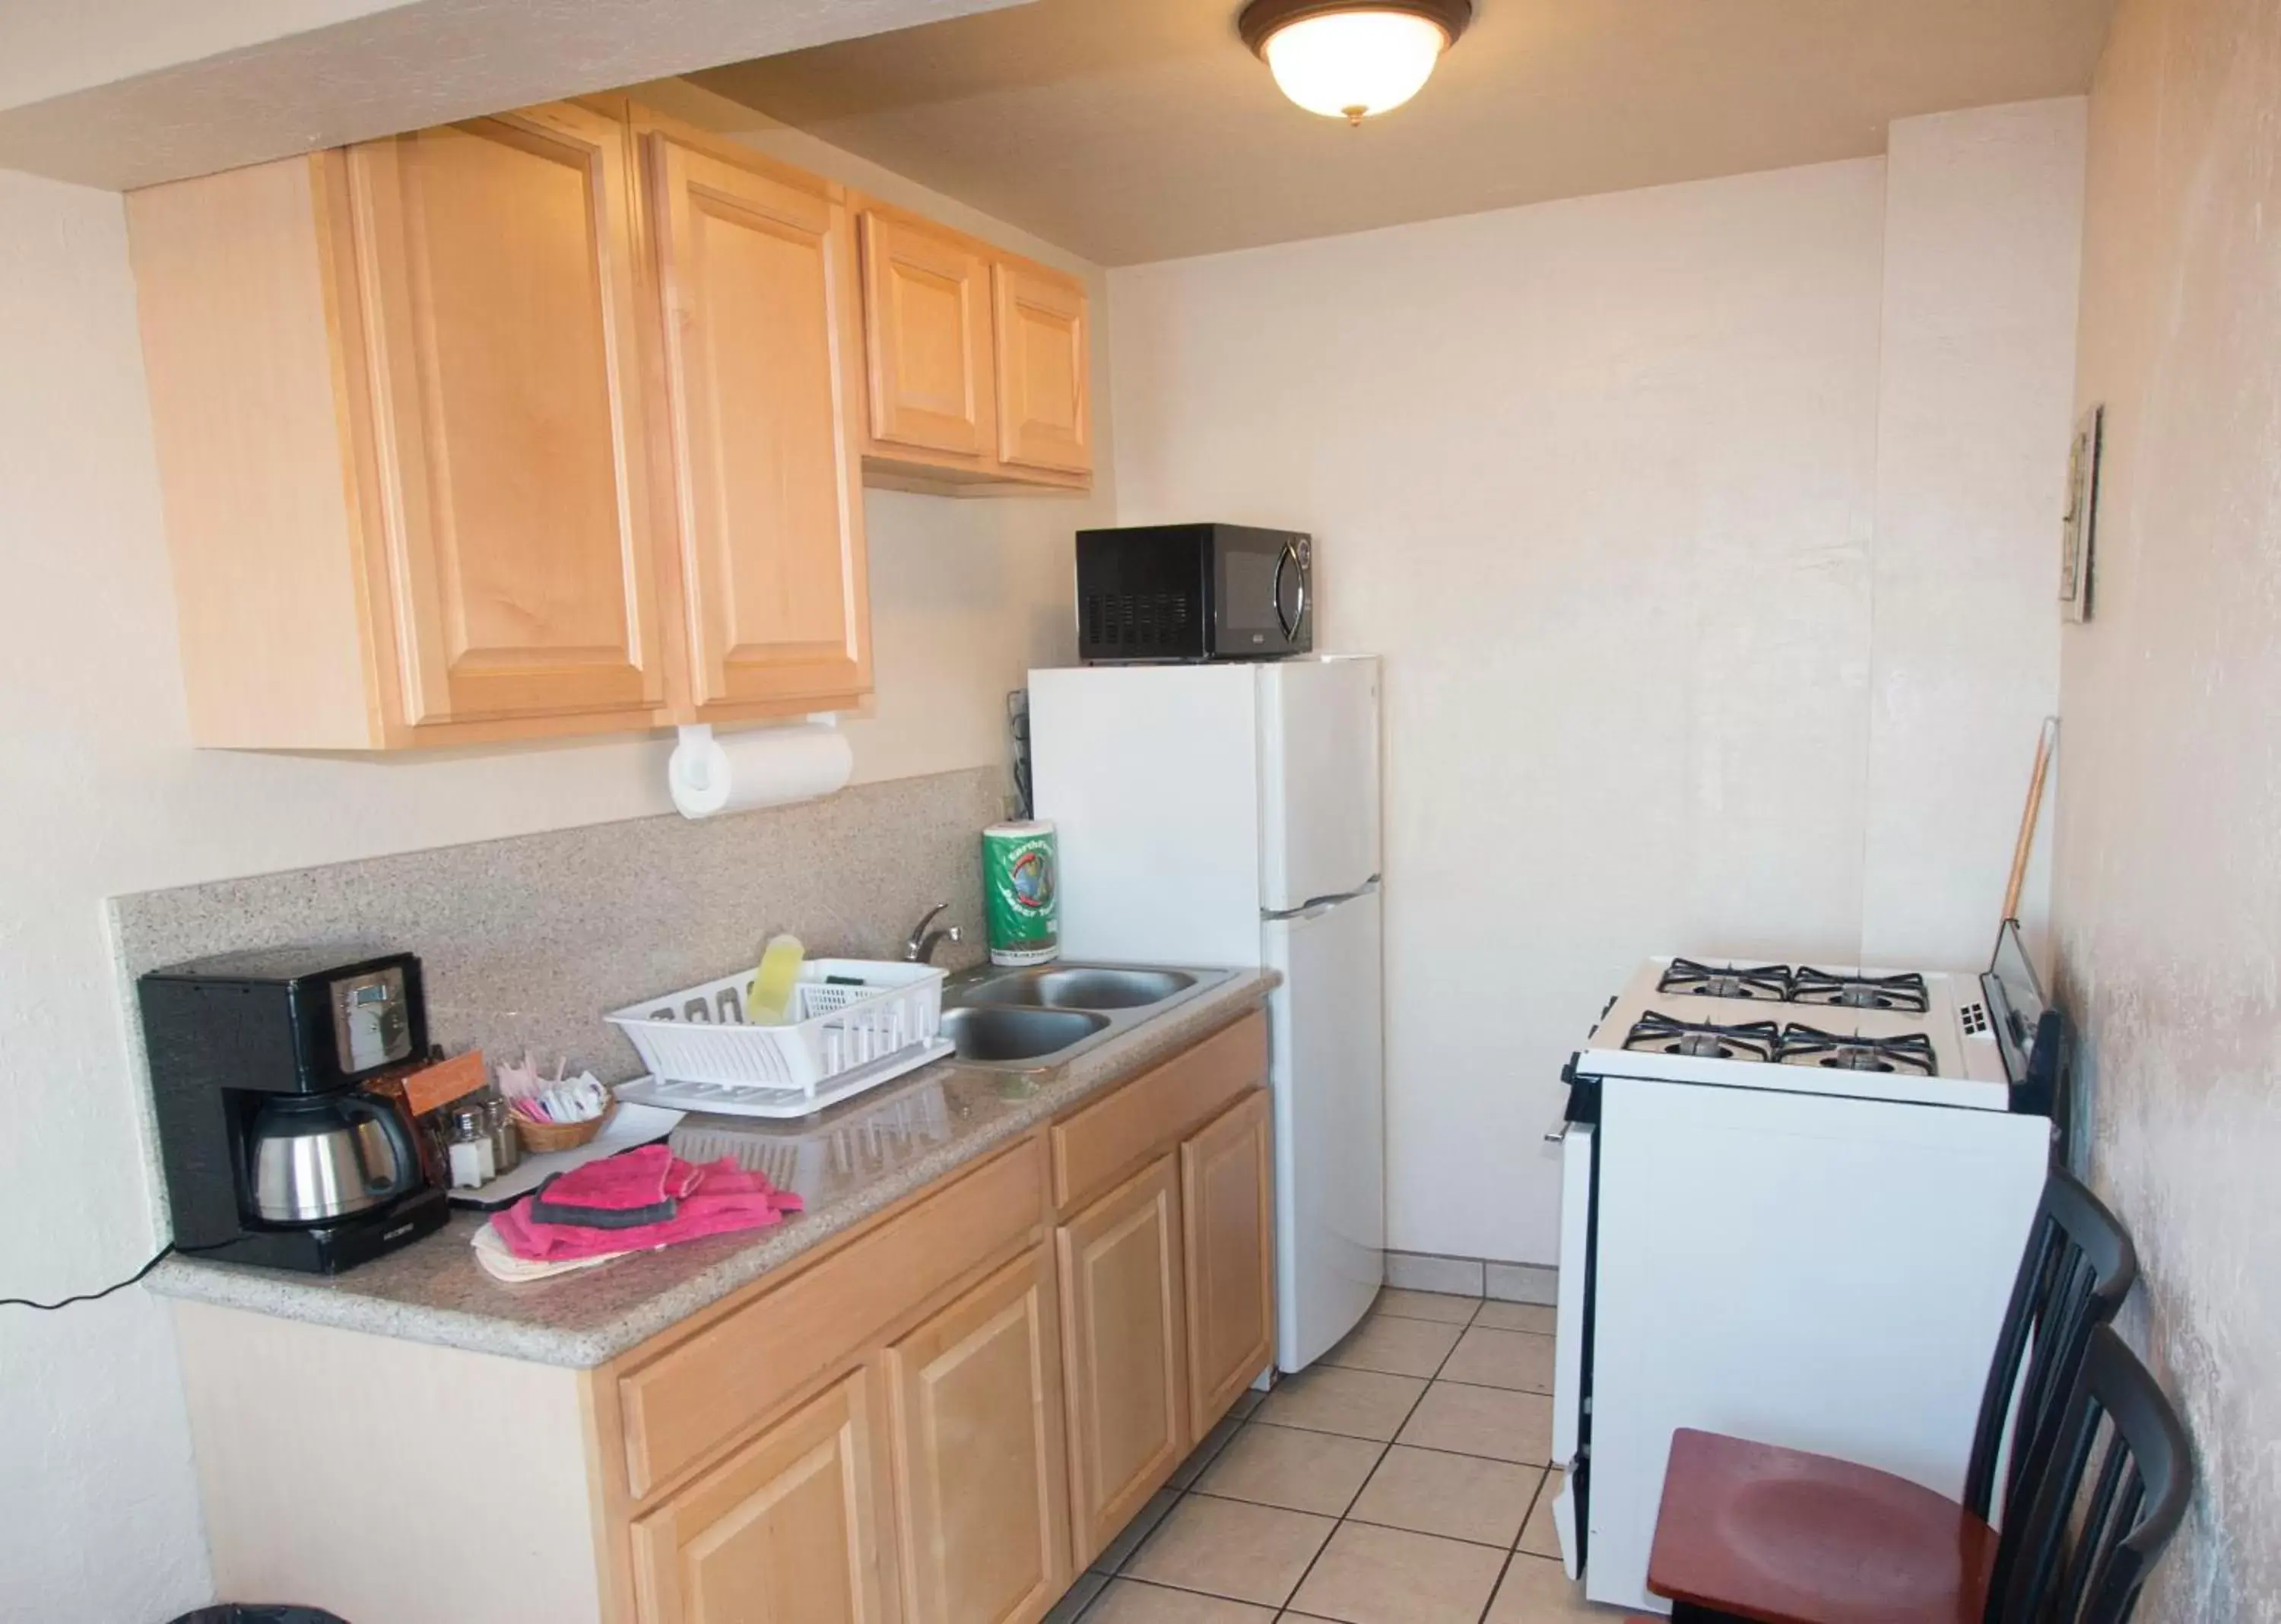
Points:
x=1758, y=983
x=1904, y=993
x=1910, y=1052
x=1659, y=1033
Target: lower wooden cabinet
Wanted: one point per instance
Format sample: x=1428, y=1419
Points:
x=783, y=1530
x=1227, y=1224
x=1125, y=1359
x=938, y=1418
x=980, y=1473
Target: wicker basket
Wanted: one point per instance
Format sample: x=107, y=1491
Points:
x=539, y=1138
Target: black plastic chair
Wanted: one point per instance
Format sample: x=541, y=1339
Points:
x=1833, y=1539
x=2086, y=1544
x=2078, y=1267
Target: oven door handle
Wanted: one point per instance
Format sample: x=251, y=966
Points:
x=1284, y=560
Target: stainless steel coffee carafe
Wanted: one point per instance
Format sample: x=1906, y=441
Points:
x=317, y=1158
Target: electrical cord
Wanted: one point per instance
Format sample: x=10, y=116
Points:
x=164, y=1252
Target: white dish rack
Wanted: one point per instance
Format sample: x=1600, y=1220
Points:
x=857, y=1023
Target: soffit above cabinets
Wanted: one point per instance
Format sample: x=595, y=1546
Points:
x=128, y=93
x=1133, y=130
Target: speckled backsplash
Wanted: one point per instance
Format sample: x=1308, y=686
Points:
x=524, y=942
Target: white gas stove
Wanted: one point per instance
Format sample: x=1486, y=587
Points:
x=1918, y=1037
x=1793, y=1198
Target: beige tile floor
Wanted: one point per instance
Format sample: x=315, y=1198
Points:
x=1402, y=1481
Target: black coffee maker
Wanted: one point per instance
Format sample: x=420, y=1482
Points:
x=275, y=1152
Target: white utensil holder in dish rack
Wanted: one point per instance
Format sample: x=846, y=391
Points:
x=858, y=1022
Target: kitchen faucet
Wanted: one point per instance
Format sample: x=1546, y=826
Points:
x=918, y=947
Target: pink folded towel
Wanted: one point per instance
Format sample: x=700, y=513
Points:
x=716, y=1198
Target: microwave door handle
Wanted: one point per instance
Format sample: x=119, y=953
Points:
x=1284, y=560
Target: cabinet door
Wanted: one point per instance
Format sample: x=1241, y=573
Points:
x=495, y=274
x=981, y=1477
x=1123, y=1358
x=1227, y=1222
x=761, y=337
x=781, y=1532
x=927, y=329
x=1043, y=416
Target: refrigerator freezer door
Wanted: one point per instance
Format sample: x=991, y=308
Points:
x=1317, y=779
x=1150, y=775
x=1330, y=1124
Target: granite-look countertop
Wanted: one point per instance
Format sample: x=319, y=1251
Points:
x=905, y=1136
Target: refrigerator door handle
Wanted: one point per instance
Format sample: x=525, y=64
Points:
x=1315, y=908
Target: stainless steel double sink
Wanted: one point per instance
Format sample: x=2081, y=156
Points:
x=1036, y=1018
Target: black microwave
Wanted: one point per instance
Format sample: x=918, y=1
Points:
x=1194, y=592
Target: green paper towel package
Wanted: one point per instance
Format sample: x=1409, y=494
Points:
x=1021, y=888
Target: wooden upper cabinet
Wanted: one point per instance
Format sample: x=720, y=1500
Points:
x=1043, y=416
x=395, y=390
x=494, y=260
x=981, y=1477
x=783, y=1529
x=557, y=422
x=977, y=366
x=1228, y=1220
x=926, y=304
x=1124, y=1355
x=760, y=335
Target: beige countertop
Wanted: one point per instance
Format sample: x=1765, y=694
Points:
x=908, y=1134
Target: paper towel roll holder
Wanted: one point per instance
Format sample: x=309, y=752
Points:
x=688, y=765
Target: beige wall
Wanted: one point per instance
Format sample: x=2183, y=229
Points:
x=1983, y=233
x=1676, y=659
x=2167, y=895
x=98, y=1521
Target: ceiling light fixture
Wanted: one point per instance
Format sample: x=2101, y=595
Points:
x=1352, y=60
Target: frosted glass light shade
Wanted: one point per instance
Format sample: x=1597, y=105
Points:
x=1354, y=65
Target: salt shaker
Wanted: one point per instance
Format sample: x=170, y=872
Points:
x=468, y=1147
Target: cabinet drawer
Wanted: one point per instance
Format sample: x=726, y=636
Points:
x=1157, y=1107
x=682, y=1405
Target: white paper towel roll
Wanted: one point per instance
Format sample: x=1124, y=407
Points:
x=767, y=767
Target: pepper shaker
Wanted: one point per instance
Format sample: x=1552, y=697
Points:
x=506, y=1147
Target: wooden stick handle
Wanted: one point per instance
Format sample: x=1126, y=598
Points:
x=2027, y=840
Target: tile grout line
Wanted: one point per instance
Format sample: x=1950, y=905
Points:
x=1253, y=1418
x=1428, y=1449
x=1345, y=1517
x=1386, y=1447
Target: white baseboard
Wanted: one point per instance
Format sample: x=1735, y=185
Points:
x=1473, y=1277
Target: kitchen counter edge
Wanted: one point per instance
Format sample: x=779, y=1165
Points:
x=336, y=1302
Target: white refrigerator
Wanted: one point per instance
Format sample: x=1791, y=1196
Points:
x=1214, y=815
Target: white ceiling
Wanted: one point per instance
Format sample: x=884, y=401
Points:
x=1132, y=130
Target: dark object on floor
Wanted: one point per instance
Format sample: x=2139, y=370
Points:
x=1756, y=1531
x=239, y=1612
